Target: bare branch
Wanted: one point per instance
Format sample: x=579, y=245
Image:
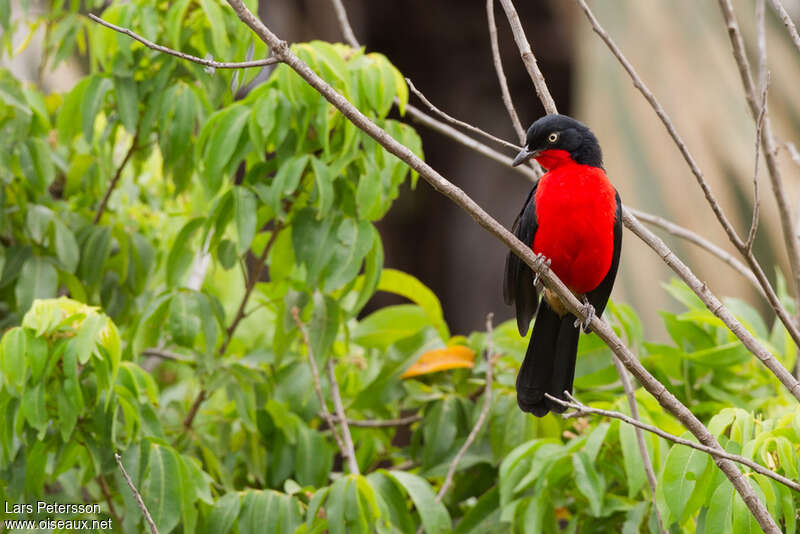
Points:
x=469, y=142
x=155, y=352
x=317, y=384
x=188, y=57
x=795, y=155
x=349, y=451
x=344, y=23
x=712, y=302
x=787, y=321
x=501, y=75
x=770, y=148
x=101, y=481
x=582, y=409
x=700, y=241
x=137, y=495
x=113, y=184
x=763, y=80
x=457, y=122
x=787, y=20
x=381, y=423
x=528, y=58
x=648, y=464
x=487, y=403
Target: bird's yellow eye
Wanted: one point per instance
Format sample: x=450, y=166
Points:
x=553, y=137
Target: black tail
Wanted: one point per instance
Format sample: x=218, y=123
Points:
x=549, y=364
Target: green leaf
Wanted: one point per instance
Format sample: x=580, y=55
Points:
x=162, y=491
x=435, y=518
x=632, y=459
x=368, y=194
x=92, y=101
x=313, y=241
x=127, y=102
x=38, y=279
x=224, y=513
x=387, y=325
x=245, y=216
x=406, y=285
x=222, y=140
x=354, y=241
x=34, y=409
x=216, y=18
x=12, y=357
x=66, y=246
x=96, y=250
x=483, y=517
x=269, y=511
x=323, y=178
x=590, y=483
x=323, y=326
x=286, y=181
x=181, y=254
x=683, y=468
x=184, y=319
x=719, y=516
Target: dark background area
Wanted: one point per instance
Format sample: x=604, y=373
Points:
x=444, y=48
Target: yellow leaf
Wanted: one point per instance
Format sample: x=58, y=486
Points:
x=440, y=360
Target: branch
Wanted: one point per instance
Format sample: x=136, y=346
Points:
x=648, y=464
x=137, y=495
x=501, y=75
x=348, y=451
x=700, y=241
x=457, y=122
x=769, y=146
x=113, y=184
x=712, y=302
x=344, y=23
x=188, y=57
x=323, y=406
x=772, y=297
x=101, y=481
x=155, y=352
x=581, y=409
x=787, y=20
x=763, y=80
x=240, y=314
x=487, y=404
x=528, y=58
x=381, y=423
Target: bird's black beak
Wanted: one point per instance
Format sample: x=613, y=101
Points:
x=523, y=156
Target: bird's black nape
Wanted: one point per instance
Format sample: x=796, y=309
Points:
x=560, y=132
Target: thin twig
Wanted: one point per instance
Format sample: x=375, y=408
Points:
x=787, y=20
x=137, y=495
x=349, y=451
x=501, y=75
x=113, y=184
x=770, y=149
x=240, y=314
x=795, y=155
x=763, y=80
x=457, y=122
x=344, y=23
x=582, y=409
x=700, y=241
x=777, y=368
x=528, y=58
x=381, y=423
x=155, y=352
x=487, y=404
x=101, y=481
x=648, y=464
x=188, y=57
x=448, y=131
x=323, y=406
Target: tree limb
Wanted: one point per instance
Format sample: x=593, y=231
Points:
x=113, y=184
x=147, y=517
x=787, y=20
x=501, y=75
x=349, y=451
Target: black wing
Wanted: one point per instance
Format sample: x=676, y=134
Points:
x=518, y=282
x=598, y=297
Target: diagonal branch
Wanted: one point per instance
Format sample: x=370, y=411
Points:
x=770, y=149
x=281, y=50
x=453, y=120
x=772, y=297
x=582, y=409
x=348, y=451
x=528, y=58
x=188, y=57
x=113, y=184
x=787, y=20
x=344, y=22
x=501, y=75
x=138, y=496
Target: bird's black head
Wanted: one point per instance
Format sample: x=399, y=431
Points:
x=560, y=133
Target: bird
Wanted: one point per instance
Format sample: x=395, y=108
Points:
x=572, y=219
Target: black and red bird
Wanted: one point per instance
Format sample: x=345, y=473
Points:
x=572, y=219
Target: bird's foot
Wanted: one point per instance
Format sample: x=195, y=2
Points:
x=588, y=311
x=542, y=263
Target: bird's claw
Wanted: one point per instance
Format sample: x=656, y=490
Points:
x=588, y=310
x=542, y=262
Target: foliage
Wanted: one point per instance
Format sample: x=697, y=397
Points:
x=201, y=171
